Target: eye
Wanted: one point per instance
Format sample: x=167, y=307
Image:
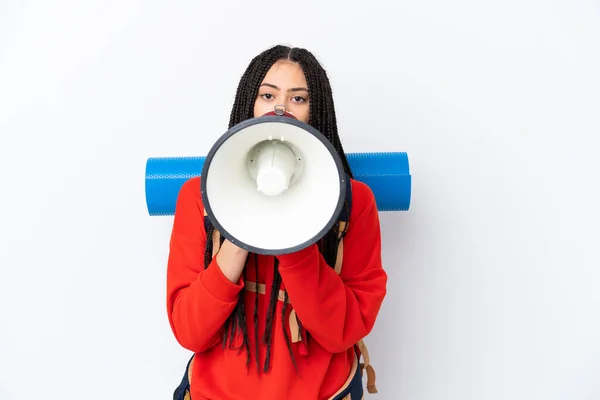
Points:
x=298, y=99
x=267, y=96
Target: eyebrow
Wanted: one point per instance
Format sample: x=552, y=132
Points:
x=297, y=89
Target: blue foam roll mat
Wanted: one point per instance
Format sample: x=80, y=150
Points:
x=387, y=174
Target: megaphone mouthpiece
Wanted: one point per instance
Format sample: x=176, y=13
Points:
x=279, y=112
x=272, y=164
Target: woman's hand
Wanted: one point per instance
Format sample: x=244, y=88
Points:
x=231, y=259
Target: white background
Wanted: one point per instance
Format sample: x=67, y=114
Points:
x=494, y=272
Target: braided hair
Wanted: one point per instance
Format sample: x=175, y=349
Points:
x=321, y=117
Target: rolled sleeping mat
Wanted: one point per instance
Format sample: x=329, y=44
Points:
x=387, y=174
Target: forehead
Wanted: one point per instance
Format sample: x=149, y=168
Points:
x=285, y=73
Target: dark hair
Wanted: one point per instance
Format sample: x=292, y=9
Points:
x=322, y=117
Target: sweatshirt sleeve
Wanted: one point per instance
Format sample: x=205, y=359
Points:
x=339, y=310
x=199, y=300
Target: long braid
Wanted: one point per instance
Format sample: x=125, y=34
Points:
x=269, y=328
x=256, y=342
x=209, y=245
x=242, y=323
x=323, y=118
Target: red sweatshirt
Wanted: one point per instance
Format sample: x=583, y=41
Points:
x=336, y=310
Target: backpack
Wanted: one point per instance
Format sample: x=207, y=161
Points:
x=182, y=391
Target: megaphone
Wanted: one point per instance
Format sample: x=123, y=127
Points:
x=273, y=184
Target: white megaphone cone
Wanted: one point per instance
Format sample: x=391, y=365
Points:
x=273, y=184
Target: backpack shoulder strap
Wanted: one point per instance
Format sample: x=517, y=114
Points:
x=343, y=227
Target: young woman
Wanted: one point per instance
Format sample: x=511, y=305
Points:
x=285, y=327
